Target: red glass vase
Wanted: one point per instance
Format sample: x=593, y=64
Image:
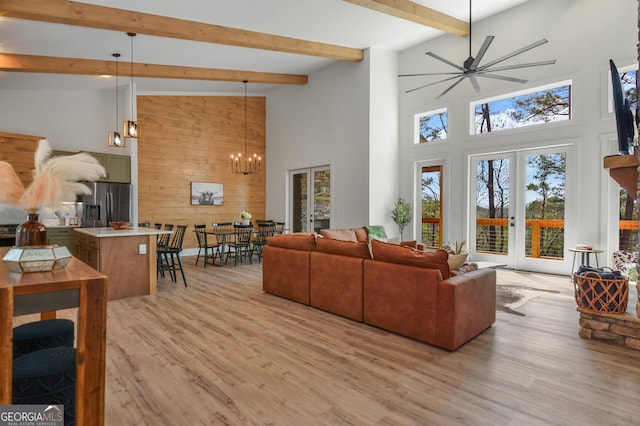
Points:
x=31, y=232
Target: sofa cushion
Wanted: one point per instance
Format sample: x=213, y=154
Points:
x=361, y=235
x=345, y=248
x=376, y=232
x=339, y=234
x=393, y=253
x=295, y=241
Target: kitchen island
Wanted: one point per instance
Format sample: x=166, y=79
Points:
x=127, y=257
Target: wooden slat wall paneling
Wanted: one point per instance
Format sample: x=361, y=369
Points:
x=19, y=150
x=191, y=138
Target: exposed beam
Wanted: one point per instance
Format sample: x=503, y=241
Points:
x=418, y=13
x=55, y=65
x=86, y=15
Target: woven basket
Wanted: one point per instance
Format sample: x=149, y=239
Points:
x=601, y=295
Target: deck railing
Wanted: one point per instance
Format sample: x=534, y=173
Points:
x=495, y=241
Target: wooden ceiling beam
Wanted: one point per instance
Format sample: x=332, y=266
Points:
x=56, y=65
x=418, y=13
x=87, y=15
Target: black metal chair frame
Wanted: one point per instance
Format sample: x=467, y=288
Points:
x=171, y=253
x=242, y=247
x=265, y=229
x=210, y=251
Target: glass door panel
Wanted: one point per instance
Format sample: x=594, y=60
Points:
x=492, y=218
x=310, y=199
x=299, y=202
x=518, y=218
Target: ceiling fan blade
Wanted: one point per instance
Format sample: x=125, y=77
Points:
x=474, y=83
x=501, y=77
x=436, y=82
x=512, y=54
x=429, y=73
x=451, y=87
x=446, y=61
x=481, y=52
x=513, y=67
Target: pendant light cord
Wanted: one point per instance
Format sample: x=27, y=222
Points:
x=116, y=55
x=132, y=35
x=245, y=120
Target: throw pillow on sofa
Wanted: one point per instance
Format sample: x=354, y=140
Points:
x=376, y=232
x=339, y=234
x=296, y=241
x=345, y=248
x=393, y=253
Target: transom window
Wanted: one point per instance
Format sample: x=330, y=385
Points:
x=535, y=106
x=430, y=126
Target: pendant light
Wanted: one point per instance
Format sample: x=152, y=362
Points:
x=115, y=139
x=247, y=165
x=130, y=128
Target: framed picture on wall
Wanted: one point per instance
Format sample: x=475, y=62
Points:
x=207, y=194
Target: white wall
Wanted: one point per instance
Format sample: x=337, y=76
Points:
x=383, y=139
x=325, y=122
x=69, y=120
x=583, y=35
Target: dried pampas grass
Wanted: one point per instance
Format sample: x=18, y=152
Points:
x=54, y=179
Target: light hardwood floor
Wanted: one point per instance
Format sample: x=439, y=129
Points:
x=223, y=352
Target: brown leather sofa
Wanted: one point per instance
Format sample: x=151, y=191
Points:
x=396, y=288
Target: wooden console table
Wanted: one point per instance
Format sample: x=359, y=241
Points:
x=78, y=285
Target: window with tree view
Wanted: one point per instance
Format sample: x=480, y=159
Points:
x=537, y=106
x=430, y=126
x=432, y=206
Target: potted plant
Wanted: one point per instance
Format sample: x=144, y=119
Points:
x=401, y=214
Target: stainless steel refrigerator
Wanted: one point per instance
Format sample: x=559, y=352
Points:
x=108, y=202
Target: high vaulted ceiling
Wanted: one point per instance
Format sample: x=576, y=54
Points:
x=210, y=46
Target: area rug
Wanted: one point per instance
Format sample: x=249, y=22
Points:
x=511, y=297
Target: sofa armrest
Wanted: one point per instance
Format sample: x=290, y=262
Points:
x=286, y=273
x=466, y=307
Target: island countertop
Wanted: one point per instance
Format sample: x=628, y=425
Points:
x=129, y=232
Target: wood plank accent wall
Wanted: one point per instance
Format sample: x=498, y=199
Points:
x=190, y=138
x=19, y=151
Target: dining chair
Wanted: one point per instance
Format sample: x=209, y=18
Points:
x=265, y=230
x=241, y=245
x=203, y=244
x=172, y=252
x=279, y=228
x=162, y=241
x=223, y=226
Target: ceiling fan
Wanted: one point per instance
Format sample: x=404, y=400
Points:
x=472, y=69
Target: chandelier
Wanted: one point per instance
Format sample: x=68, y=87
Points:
x=246, y=165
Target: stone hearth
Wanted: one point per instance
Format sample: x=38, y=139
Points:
x=618, y=329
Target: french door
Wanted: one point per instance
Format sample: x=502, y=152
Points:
x=518, y=202
x=310, y=199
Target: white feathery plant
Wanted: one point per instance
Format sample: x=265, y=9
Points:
x=54, y=179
